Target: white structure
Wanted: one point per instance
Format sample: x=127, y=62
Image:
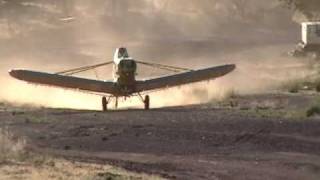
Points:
x=310, y=33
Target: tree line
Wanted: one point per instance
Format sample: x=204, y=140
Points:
x=21, y=14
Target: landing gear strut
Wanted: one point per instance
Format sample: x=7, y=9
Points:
x=104, y=104
x=146, y=102
x=116, y=103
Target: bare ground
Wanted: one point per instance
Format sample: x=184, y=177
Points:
x=251, y=137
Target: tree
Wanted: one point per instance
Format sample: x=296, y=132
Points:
x=309, y=8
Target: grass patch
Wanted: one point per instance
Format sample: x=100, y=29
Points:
x=110, y=176
x=11, y=147
x=230, y=94
x=314, y=110
x=33, y=119
x=264, y=113
x=317, y=84
x=294, y=114
x=292, y=86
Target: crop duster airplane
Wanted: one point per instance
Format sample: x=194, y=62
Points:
x=124, y=83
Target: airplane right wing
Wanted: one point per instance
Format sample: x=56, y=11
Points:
x=184, y=78
x=64, y=81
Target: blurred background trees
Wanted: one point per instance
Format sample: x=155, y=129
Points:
x=202, y=16
x=305, y=9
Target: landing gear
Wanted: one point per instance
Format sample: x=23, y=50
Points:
x=147, y=102
x=104, y=104
x=107, y=100
x=116, y=103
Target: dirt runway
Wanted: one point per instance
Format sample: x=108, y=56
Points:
x=261, y=137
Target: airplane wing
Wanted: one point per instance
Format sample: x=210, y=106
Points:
x=64, y=81
x=184, y=78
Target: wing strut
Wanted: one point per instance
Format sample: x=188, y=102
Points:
x=164, y=67
x=82, y=69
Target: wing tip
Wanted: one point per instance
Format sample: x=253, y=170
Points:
x=13, y=72
x=17, y=73
x=230, y=67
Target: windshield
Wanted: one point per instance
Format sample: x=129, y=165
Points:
x=128, y=65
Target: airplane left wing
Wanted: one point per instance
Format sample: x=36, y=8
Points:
x=184, y=78
x=64, y=81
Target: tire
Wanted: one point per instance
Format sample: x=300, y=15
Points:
x=104, y=104
x=147, y=102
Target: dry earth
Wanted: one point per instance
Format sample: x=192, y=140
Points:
x=250, y=137
x=63, y=169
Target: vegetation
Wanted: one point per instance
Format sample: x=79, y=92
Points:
x=35, y=119
x=11, y=148
x=309, y=8
x=314, y=110
x=292, y=86
x=317, y=84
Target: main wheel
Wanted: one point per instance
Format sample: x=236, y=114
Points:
x=147, y=102
x=104, y=104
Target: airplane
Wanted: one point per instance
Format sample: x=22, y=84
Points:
x=125, y=83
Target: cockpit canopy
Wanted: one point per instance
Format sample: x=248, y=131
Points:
x=123, y=53
x=128, y=65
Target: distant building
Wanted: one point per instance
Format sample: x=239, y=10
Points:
x=310, y=32
x=310, y=41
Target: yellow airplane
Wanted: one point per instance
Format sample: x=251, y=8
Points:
x=125, y=83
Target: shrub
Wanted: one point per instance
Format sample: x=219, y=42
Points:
x=292, y=86
x=313, y=111
x=294, y=89
x=318, y=86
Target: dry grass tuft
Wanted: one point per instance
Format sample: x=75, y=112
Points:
x=292, y=86
x=230, y=94
x=11, y=147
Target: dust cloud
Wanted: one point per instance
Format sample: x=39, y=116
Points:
x=192, y=35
